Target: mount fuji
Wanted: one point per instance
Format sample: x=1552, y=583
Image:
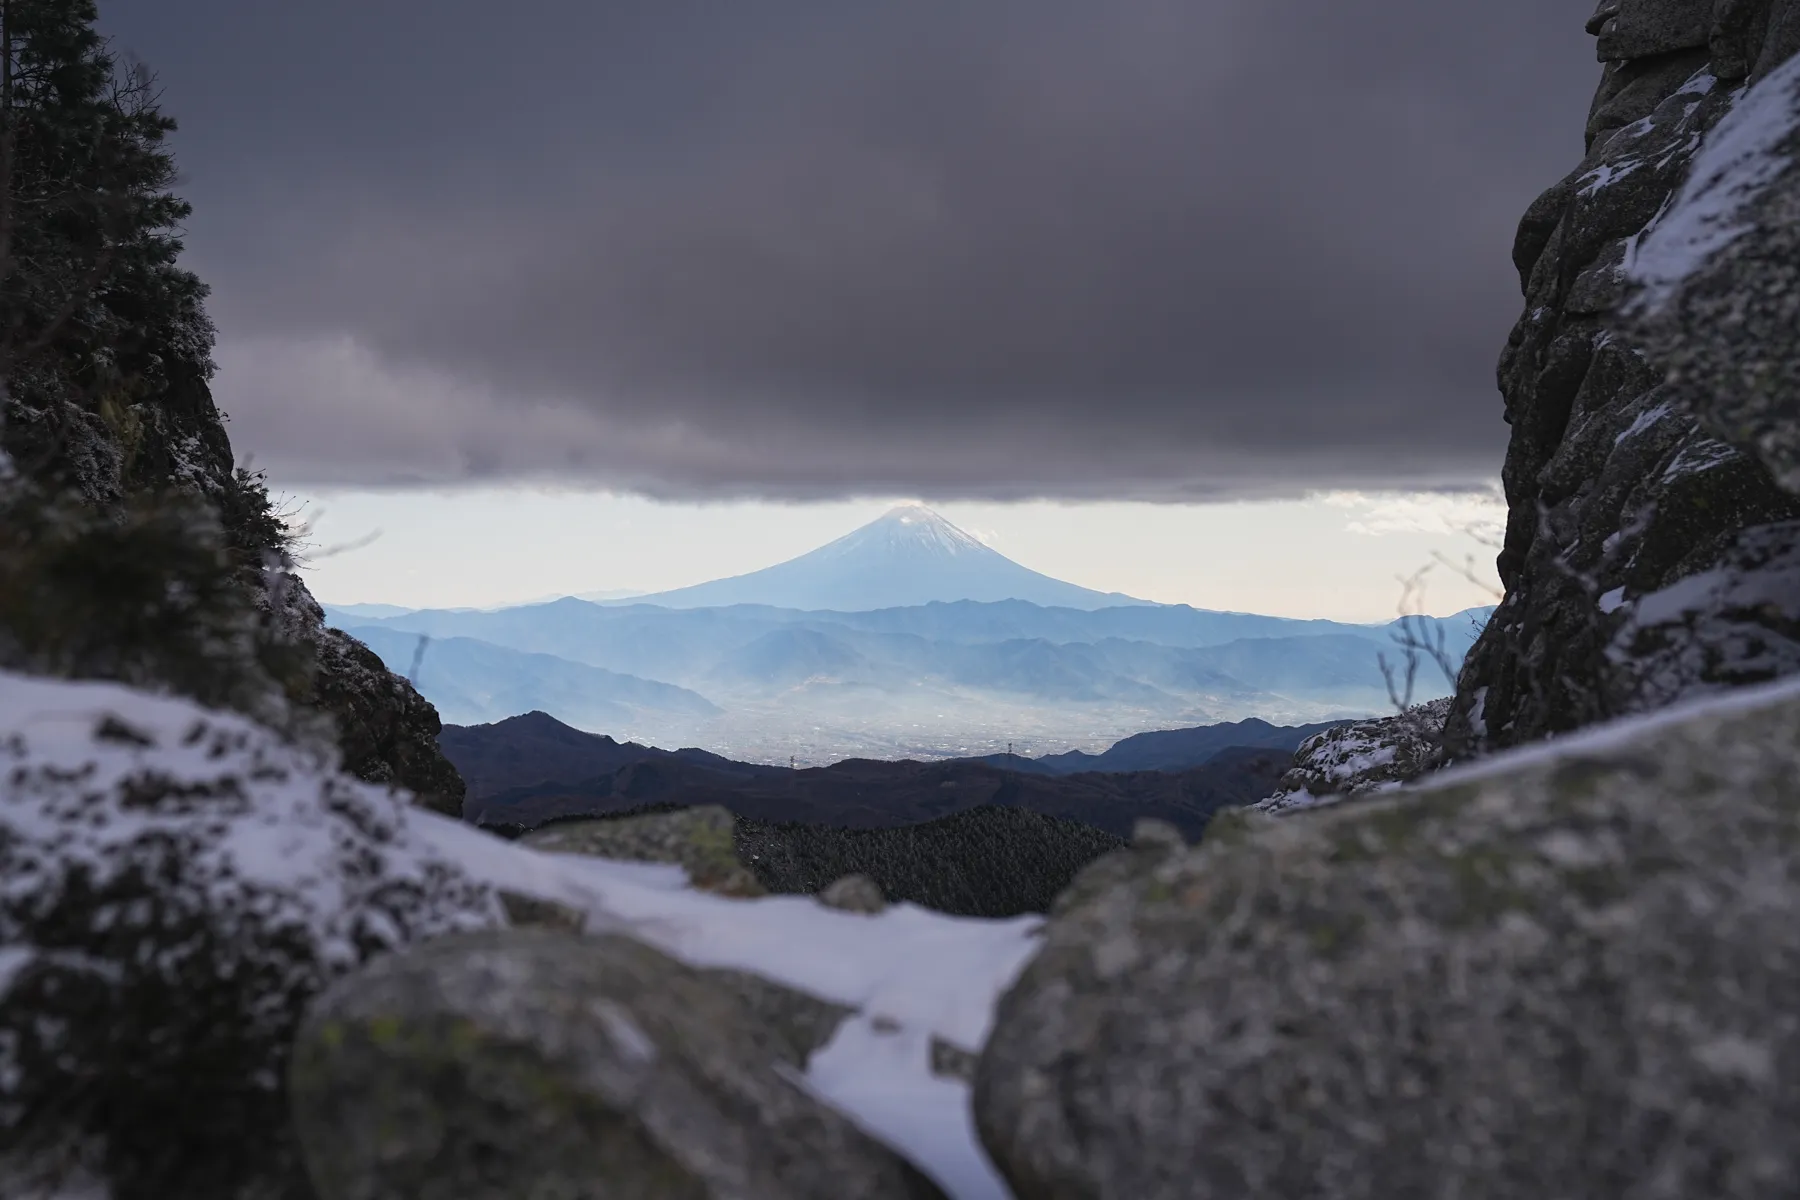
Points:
x=909, y=556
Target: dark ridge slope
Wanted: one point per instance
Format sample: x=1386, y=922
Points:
x=536, y=748
x=1166, y=749
x=861, y=794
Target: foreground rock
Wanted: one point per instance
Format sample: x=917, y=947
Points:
x=701, y=840
x=539, y=1064
x=853, y=893
x=1151, y=843
x=175, y=885
x=1564, y=974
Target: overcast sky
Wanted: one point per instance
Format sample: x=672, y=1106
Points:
x=966, y=249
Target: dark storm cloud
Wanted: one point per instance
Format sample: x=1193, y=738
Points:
x=950, y=247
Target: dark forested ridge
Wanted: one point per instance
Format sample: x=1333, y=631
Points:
x=865, y=794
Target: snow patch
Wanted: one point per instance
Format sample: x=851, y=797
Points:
x=872, y=1075
x=1612, y=601
x=13, y=961
x=1643, y=421
x=1704, y=454
x=1607, y=174
x=1478, y=712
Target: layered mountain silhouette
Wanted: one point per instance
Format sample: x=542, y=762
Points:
x=535, y=748
x=532, y=769
x=934, y=680
x=472, y=681
x=908, y=557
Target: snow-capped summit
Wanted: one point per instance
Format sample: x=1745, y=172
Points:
x=908, y=556
x=907, y=528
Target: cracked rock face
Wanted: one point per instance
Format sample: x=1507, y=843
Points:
x=1651, y=382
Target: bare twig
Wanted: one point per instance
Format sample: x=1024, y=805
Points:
x=1419, y=638
x=412, y=676
x=1466, y=570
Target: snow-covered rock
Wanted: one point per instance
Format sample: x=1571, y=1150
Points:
x=1720, y=277
x=1736, y=623
x=1361, y=756
x=177, y=884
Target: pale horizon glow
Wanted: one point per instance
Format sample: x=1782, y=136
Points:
x=1338, y=555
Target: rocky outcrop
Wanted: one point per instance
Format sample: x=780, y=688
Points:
x=1650, y=387
x=175, y=885
x=538, y=1064
x=171, y=443
x=853, y=893
x=1566, y=972
x=1563, y=971
x=110, y=404
x=386, y=731
x=1362, y=756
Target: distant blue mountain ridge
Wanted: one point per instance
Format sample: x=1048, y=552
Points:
x=880, y=675
x=473, y=682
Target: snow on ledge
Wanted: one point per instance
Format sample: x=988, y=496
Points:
x=1738, y=159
